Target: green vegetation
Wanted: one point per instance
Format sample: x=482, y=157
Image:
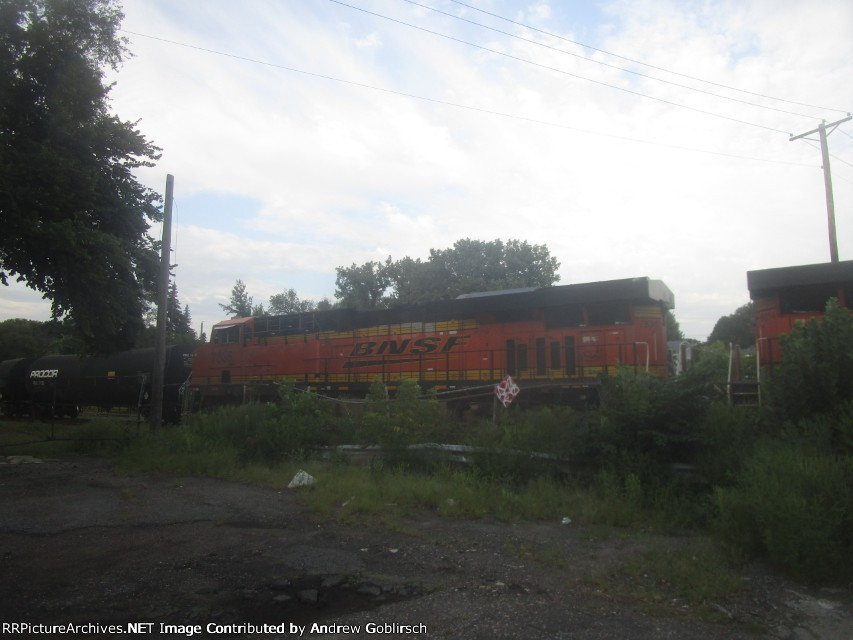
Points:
x=75, y=219
x=658, y=456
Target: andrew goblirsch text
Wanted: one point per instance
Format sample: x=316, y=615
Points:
x=209, y=629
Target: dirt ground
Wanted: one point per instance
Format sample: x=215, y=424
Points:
x=81, y=543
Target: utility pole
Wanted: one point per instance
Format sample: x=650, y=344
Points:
x=827, y=179
x=162, y=297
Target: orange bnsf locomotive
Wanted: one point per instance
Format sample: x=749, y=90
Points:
x=553, y=339
x=785, y=296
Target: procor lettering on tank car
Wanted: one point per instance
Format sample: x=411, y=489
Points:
x=61, y=385
x=555, y=340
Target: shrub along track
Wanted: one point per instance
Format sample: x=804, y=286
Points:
x=81, y=543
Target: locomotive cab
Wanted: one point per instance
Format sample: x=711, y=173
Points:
x=234, y=331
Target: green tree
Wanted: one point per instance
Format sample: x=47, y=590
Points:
x=240, y=305
x=288, y=302
x=178, y=322
x=737, y=328
x=475, y=265
x=363, y=287
x=816, y=371
x=467, y=266
x=24, y=339
x=74, y=218
x=673, y=329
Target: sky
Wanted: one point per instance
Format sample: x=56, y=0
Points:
x=631, y=137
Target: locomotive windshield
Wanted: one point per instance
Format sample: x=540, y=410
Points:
x=226, y=335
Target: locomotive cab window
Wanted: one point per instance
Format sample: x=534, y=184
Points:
x=226, y=335
x=604, y=313
x=570, y=315
x=811, y=299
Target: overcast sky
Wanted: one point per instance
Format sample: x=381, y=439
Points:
x=633, y=138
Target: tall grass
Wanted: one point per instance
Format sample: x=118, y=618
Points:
x=794, y=506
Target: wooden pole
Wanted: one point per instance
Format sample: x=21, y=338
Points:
x=156, y=418
x=830, y=202
x=827, y=179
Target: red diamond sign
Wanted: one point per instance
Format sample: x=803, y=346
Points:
x=506, y=391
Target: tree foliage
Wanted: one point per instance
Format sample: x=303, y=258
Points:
x=289, y=302
x=736, y=328
x=74, y=218
x=816, y=372
x=673, y=329
x=467, y=266
x=33, y=339
x=240, y=304
x=178, y=320
x=363, y=287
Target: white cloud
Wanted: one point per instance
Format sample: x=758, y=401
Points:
x=344, y=173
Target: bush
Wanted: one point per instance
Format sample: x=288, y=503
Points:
x=727, y=436
x=408, y=418
x=816, y=372
x=647, y=425
x=793, y=504
x=263, y=433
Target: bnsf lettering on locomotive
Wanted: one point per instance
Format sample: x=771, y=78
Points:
x=44, y=373
x=425, y=345
x=407, y=346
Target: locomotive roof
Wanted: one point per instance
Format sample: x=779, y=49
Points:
x=642, y=290
x=762, y=282
x=638, y=290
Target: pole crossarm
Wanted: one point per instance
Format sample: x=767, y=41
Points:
x=825, y=126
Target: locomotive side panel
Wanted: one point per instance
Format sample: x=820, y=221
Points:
x=565, y=336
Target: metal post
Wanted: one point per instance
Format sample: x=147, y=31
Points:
x=162, y=297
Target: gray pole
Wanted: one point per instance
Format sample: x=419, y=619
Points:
x=827, y=180
x=162, y=297
x=830, y=202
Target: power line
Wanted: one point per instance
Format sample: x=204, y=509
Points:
x=562, y=71
x=462, y=106
x=832, y=155
x=611, y=66
x=645, y=64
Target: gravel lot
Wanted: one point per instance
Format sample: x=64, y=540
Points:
x=83, y=544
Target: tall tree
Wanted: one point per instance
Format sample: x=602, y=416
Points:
x=178, y=322
x=737, y=327
x=673, y=328
x=469, y=265
x=74, y=218
x=476, y=265
x=240, y=305
x=289, y=302
x=363, y=287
